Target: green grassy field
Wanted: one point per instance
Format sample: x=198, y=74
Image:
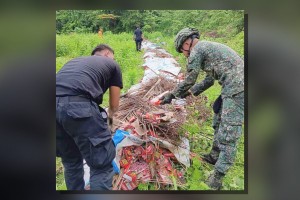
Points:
x=130, y=61
x=74, y=45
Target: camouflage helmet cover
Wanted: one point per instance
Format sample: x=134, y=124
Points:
x=183, y=35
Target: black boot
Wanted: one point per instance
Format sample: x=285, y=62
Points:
x=209, y=159
x=215, y=180
x=213, y=155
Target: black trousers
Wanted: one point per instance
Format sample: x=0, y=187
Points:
x=138, y=44
x=82, y=133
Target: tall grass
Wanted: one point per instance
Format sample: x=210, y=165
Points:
x=130, y=61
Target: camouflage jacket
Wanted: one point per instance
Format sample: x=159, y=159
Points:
x=220, y=63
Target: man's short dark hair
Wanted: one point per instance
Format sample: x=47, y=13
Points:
x=102, y=47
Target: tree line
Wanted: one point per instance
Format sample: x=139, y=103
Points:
x=214, y=23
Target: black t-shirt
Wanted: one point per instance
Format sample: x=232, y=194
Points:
x=138, y=34
x=88, y=76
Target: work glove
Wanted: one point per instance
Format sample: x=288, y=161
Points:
x=167, y=98
x=184, y=95
x=196, y=89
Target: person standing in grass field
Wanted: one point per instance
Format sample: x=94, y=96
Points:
x=100, y=33
x=138, y=37
x=223, y=64
x=82, y=130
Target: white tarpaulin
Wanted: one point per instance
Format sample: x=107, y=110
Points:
x=158, y=61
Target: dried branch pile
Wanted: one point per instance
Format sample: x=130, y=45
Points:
x=150, y=162
x=162, y=121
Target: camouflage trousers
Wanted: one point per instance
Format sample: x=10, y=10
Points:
x=228, y=129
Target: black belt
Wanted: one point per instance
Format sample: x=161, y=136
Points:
x=84, y=99
x=78, y=99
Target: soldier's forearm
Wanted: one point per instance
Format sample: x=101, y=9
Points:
x=201, y=87
x=184, y=86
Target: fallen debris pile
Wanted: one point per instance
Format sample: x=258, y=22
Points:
x=146, y=163
x=138, y=114
x=153, y=150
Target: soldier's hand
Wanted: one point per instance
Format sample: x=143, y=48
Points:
x=187, y=93
x=166, y=99
x=196, y=90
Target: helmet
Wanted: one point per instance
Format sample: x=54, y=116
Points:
x=183, y=35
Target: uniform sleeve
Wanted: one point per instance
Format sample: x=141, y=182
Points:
x=204, y=85
x=116, y=79
x=193, y=69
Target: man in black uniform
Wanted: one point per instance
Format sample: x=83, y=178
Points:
x=81, y=124
x=138, y=37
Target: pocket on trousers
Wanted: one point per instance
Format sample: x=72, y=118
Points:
x=230, y=134
x=102, y=152
x=232, y=112
x=79, y=113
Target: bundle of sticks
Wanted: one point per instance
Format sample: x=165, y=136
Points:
x=162, y=120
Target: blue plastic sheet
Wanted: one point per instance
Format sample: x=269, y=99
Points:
x=117, y=138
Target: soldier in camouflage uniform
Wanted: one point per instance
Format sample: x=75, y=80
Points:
x=223, y=64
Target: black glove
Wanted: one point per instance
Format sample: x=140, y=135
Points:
x=184, y=95
x=167, y=98
x=196, y=90
x=217, y=105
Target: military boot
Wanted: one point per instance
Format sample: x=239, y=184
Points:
x=215, y=180
x=213, y=156
x=209, y=159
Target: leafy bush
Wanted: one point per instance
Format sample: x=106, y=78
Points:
x=147, y=28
